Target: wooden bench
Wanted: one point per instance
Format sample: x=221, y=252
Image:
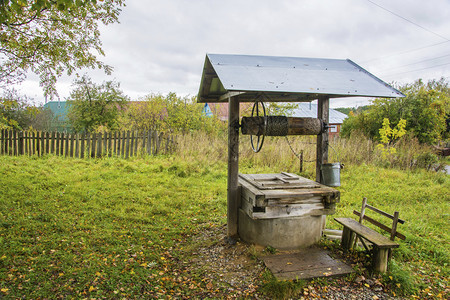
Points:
x=381, y=245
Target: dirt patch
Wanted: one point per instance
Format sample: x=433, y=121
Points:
x=234, y=270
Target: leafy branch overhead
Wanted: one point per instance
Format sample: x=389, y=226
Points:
x=51, y=38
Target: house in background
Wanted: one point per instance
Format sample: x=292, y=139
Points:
x=304, y=110
x=309, y=110
x=59, y=110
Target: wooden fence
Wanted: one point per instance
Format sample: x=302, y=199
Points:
x=124, y=144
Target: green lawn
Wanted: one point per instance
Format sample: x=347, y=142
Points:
x=110, y=228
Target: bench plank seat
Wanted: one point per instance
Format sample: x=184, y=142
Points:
x=371, y=235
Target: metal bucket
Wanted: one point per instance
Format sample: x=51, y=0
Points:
x=331, y=174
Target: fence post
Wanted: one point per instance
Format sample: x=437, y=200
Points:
x=156, y=142
x=82, y=144
x=20, y=143
x=127, y=150
x=117, y=144
x=71, y=145
x=15, y=143
x=94, y=144
x=136, y=141
x=109, y=143
x=29, y=136
x=10, y=142
x=122, y=151
x=47, y=142
x=149, y=142
x=66, y=144
x=99, y=146
x=77, y=145
x=57, y=143
x=2, y=139
x=52, y=146
x=87, y=151
x=28, y=146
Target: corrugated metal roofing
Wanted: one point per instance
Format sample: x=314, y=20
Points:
x=309, y=110
x=285, y=79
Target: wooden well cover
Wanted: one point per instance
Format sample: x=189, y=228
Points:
x=278, y=181
x=285, y=195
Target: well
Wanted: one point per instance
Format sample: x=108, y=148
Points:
x=281, y=210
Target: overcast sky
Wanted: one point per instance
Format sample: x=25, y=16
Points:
x=160, y=45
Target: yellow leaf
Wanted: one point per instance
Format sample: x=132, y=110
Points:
x=98, y=274
x=3, y=257
x=367, y=285
x=4, y=290
x=61, y=274
x=91, y=288
x=132, y=272
x=163, y=258
x=398, y=284
x=390, y=277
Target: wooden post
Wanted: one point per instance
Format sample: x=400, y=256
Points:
x=347, y=238
x=99, y=145
x=94, y=145
x=380, y=259
x=52, y=147
x=127, y=150
x=233, y=167
x=82, y=145
x=20, y=143
x=115, y=150
x=47, y=143
x=66, y=144
x=122, y=151
x=323, y=110
x=71, y=144
x=149, y=143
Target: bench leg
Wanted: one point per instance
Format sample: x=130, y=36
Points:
x=380, y=259
x=347, y=238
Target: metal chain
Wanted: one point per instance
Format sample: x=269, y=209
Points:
x=296, y=154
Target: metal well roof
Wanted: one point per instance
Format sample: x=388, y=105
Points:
x=285, y=79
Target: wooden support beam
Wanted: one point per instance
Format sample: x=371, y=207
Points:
x=281, y=126
x=229, y=95
x=323, y=110
x=233, y=168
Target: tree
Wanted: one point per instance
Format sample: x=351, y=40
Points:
x=92, y=105
x=148, y=113
x=170, y=113
x=425, y=108
x=52, y=37
x=15, y=111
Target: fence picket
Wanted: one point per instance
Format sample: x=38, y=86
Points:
x=82, y=143
x=127, y=150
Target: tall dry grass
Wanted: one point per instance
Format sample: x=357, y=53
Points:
x=276, y=154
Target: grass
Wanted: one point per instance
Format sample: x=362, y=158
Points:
x=423, y=200
x=102, y=228
x=109, y=228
